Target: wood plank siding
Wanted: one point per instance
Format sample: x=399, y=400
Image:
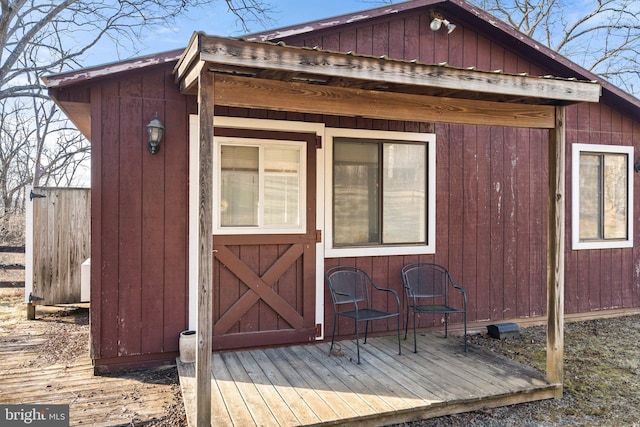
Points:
x=604, y=278
x=491, y=195
x=139, y=284
x=492, y=182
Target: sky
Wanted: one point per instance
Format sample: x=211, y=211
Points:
x=218, y=22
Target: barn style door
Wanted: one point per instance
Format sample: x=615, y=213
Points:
x=264, y=283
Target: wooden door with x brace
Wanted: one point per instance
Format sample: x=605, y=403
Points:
x=264, y=282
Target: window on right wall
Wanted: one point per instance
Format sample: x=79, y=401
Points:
x=602, y=196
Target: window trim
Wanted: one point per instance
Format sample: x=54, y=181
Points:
x=577, y=150
x=430, y=140
x=218, y=229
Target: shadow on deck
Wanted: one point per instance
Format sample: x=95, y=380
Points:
x=304, y=385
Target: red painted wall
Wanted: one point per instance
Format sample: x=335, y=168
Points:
x=492, y=182
x=605, y=278
x=139, y=208
x=491, y=198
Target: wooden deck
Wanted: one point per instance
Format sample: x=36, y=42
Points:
x=304, y=385
x=30, y=375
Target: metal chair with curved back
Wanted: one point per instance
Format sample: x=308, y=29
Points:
x=427, y=287
x=353, y=286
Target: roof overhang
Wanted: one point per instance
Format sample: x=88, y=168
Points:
x=261, y=75
x=78, y=108
x=468, y=15
x=276, y=76
x=75, y=77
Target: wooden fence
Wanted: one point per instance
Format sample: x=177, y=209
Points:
x=58, y=241
x=11, y=266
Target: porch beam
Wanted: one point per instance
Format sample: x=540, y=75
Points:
x=190, y=80
x=246, y=92
x=555, y=261
x=205, y=259
x=287, y=59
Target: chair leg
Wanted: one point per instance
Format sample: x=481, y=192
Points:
x=465, y=331
x=415, y=337
x=446, y=325
x=406, y=323
x=366, y=331
x=358, y=340
x=399, y=346
x=333, y=335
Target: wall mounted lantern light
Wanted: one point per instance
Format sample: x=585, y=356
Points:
x=155, y=131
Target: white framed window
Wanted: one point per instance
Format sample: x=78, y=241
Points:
x=259, y=186
x=380, y=193
x=602, y=196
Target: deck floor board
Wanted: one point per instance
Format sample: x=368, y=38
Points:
x=296, y=382
x=93, y=400
x=363, y=386
x=305, y=385
x=297, y=404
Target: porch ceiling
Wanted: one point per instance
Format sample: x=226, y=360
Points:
x=312, y=66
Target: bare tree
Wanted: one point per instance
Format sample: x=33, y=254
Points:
x=35, y=138
x=40, y=37
x=603, y=36
x=58, y=33
x=13, y=153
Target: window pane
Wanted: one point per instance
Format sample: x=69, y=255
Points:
x=602, y=196
x=404, y=193
x=355, y=193
x=240, y=186
x=590, y=196
x=615, y=196
x=281, y=186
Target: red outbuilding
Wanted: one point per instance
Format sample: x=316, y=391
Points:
x=367, y=139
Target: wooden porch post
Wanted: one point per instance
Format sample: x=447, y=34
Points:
x=555, y=261
x=204, y=326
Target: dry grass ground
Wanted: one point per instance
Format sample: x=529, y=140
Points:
x=601, y=384
x=11, y=308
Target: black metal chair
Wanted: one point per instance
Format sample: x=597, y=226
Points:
x=353, y=286
x=427, y=287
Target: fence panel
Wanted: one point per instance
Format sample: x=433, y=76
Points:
x=61, y=242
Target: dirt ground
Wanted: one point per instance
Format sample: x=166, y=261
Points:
x=602, y=369
x=67, y=333
x=601, y=378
